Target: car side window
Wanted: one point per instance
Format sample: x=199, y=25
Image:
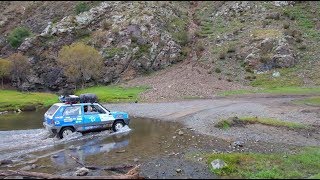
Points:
x=72, y=111
x=89, y=109
x=99, y=109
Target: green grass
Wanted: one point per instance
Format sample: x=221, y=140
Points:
x=224, y=124
x=288, y=83
x=266, y=33
x=317, y=176
x=315, y=101
x=304, y=20
x=275, y=90
x=13, y=100
x=288, y=77
x=227, y=123
x=303, y=164
x=114, y=93
x=273, y=122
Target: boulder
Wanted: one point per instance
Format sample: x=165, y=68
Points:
x=252, y=60
x=283, y=3
x=28, y=108
x=236, y=144
x=275, y=16
x=81, y=172
x=218, y=164
x=283, y=49
x=5, y=162
x=284, y=61
x=267, y=45
x=180, y=133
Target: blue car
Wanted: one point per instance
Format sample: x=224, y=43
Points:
x=62, y=119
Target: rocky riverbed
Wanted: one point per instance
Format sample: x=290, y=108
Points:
x=167, y=140
x=202, y=115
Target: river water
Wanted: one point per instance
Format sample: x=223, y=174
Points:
x=24, y=133
x=156, y=145
x=25, y=141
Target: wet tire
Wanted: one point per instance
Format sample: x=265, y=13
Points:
x=64, y=132
x=117, y=125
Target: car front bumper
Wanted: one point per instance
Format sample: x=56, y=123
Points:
x=52, y=129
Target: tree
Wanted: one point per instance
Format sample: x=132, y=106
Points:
x=4, y=69
x=80, y=62
x=20, y=67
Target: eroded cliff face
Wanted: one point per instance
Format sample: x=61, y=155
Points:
x=133, y=37
x=233, y=40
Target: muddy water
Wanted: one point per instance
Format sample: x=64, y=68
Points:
x=26, y=142
x=22, y=121
x=156, y=145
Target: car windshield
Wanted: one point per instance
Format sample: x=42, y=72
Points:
x=52, y=110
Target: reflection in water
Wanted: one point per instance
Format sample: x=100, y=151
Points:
x=142, y=139
x=22, y=121
x=92, y=147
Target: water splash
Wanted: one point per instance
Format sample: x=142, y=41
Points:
x=16, y=144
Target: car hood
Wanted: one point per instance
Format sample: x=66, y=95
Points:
x=119, y=115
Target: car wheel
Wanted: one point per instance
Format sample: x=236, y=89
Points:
x=66, y=131
x=117, y=125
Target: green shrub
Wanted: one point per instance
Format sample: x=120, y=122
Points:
x=222, y=55
x=286, y=25
x=81, y=7
x=200, y=46
x=112, y=51
x=182, y=37
x=80, y=62
x=217, y=70
x=184, y=52
x=17, y=36
x=265, y=58
x=82, y=33
x=224, y=124
x=231, y=49
x=143, y=49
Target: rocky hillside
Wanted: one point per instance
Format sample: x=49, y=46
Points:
x=232, y=44
x=245, y=39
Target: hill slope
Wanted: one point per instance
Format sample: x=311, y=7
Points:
x=209, y=46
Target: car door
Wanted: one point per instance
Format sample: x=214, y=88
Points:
x=72, y=116
x=90, y=118
x=105, y=116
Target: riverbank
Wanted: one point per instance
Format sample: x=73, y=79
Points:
x=12, y=100
x=266, y=140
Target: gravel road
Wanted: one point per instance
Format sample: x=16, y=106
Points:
x=201, y=115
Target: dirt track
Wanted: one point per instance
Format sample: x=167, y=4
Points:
x=201, y=115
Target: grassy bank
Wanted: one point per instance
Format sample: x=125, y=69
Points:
x=12, y=100
x=288, y=83
x=274, y=90
x=304, y=164
x=114, y=93
x=309, y=101
x=227, y=123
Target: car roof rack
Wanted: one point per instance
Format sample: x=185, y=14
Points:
x=84, y=98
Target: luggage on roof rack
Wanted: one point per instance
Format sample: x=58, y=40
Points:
x=69, y=99
x=88, y=98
